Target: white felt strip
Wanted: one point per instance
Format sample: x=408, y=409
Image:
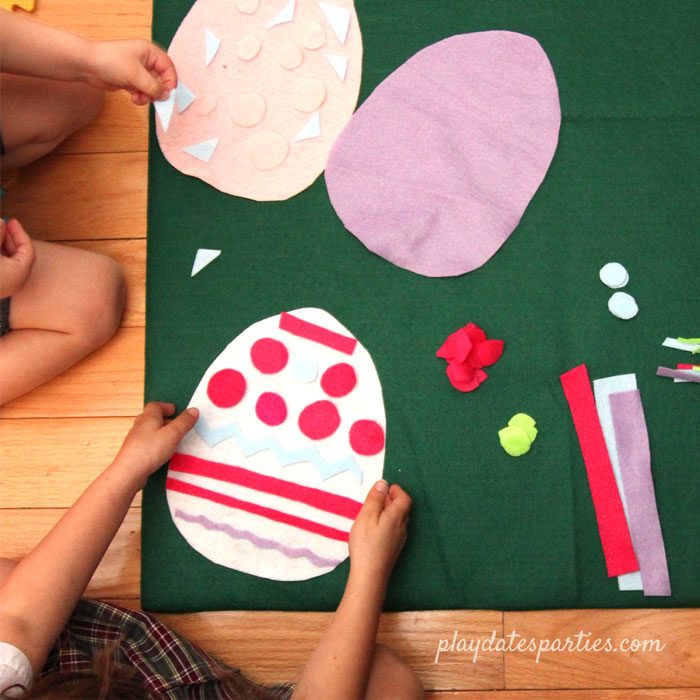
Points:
x=677, y=345
x=602, y=389
x=301, y=510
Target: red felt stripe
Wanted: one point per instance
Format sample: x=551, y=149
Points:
x=317, y=334
x=329, y=502
x=269, y=513
x=612, y=525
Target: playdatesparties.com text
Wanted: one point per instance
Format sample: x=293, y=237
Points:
x=514, y=642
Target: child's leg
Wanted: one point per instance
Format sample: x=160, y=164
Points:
x=38, y=114
x=71, y=304
x=390, y=677
x=7, y=566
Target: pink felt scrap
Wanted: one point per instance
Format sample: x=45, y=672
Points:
x=435, y=169
x=226, y=388
x=632, y=443
x=466, y=351
x=612, y=524
x=319, y=420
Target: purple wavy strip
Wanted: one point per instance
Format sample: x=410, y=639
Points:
x=261, y=542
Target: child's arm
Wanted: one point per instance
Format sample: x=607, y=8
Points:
x=44, y=588
x=340, y=665
x=136, y=65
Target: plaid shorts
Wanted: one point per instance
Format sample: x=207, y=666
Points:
x=167, y=664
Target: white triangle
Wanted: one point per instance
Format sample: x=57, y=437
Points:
x=203, y=258
x=212, y=43
x=338, y=18
x=285, y=15
x=311, y=130
x=203, y=151
x=164, y=109
x=184, y=97
x=339, y=63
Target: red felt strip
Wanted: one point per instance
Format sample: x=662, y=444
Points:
x=317, y=334
x=612, y=524
x=269, y=513
x=323, y=500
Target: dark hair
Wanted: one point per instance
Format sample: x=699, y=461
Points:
x=106, y=680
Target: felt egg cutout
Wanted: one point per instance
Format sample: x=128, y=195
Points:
x=437, y=166
x=265, y=89
x=272, y=476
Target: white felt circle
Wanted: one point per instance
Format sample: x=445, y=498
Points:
x=309, y=95
x=268, y=150
x=623, y=306
x=314, y=36
x=248, y=110
x=291, y=57
x=248, y=47
x=614, y=275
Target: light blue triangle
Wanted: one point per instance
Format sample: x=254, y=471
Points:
x=184, y=97
x=212, y=45
x=203, y=151
x=164, y=109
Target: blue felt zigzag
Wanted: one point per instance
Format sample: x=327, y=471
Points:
x=213, y=436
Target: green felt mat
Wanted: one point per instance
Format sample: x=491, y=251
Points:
x=488, y=531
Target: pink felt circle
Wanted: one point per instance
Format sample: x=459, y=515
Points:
x=339, y=380
x=366, y=437
x=319, y=420
x=226, y=388
x=269, y=356
x=271, y=408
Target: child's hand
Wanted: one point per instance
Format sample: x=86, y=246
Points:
x=16, y=257
x=153, y=439
x=379, y=531
x=134, y=65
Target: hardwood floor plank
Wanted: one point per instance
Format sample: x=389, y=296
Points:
x=674, y=665
x=120, y=570
x=98, y=19
x=48, y=462
x=107, y=383
x=79, y=197
x=131, y=255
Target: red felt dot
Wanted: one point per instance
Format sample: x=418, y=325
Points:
x=339, y=380
x=226, y=388
x=366, y=437
x=271, y=408
x=319, y=420
x=269, y=355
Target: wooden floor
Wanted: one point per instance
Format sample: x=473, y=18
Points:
x=53, y=442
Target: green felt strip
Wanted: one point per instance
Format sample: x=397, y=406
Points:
x=486, y=531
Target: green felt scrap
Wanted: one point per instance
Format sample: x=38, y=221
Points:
x=623, y=185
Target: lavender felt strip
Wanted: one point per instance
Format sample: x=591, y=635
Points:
x=635, y=464
x=689, y=375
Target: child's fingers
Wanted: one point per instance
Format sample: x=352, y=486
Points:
x=400, y=502
x=161, y=64
x=180, y=426
x=157, y=411
x=375, y=500
x=145, y=83
x=18, y=243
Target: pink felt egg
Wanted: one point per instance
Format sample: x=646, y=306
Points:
x=436, y=168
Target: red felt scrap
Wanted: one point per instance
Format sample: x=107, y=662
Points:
x=466, y=351
x=612, y=524
x=226, y=388
x=319, y=420
x=317, y=334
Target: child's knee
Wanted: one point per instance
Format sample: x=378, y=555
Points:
x=102, y=312
x=391, y=676
x=87, y=104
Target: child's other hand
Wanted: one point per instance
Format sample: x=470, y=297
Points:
x=16, y=257
x=153, y=439
x=135, y=65
x=379, y=531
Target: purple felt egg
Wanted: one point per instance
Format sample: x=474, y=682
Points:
x=435, y=169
